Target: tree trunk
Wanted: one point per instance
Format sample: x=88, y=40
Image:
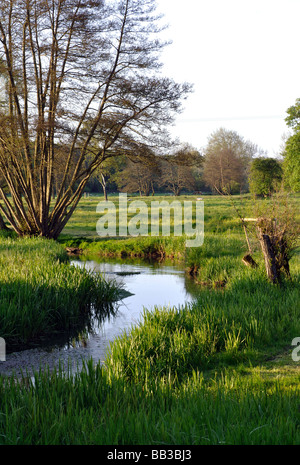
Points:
x=270, y=257
x=283, y=258
x=153, y=192
x=103, y=183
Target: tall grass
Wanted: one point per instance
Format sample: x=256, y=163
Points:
x=41, y=293
x=96, y=407
x=245, y=322
x=206, y=373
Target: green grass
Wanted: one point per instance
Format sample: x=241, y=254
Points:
x=224, y=237
x=246, y=322
x=41, y=293
x=220, y=213
x=218, y=371
x=234, y=406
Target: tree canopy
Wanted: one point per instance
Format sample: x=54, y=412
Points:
x=265, y=176
x=291, y=164
x=227, y=157
x=291, y=153
x=74, y=70
x=293, y=116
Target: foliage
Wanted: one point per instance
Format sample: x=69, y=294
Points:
x=293, y=118
x=227, y=157
x=265, y=176
x=171, y=173
x=177, y=170
x=42, y=294
x=291, y=163
x=139, y=176
x=291, y=152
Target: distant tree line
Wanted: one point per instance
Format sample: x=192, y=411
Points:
x=228, y=165
x=147, y=174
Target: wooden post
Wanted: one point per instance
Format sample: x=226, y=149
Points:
x=269, y=256
x=248, y=261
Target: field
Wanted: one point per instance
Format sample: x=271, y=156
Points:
x=219, y=371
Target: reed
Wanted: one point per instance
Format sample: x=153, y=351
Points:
x=237, y=406
x=41, y=293
x=247, y=321
x=217, y=371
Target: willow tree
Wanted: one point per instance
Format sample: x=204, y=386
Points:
x=227, y=159
x=69, y=65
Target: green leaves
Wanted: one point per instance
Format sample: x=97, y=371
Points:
x=291, y=164
x=265, y=176
x=293, y=118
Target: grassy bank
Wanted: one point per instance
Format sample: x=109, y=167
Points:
x=219, y=371
x=249, y=321
x=41, y=294
x=214, y=262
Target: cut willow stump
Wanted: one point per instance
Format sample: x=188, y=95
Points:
x=274, y=246
x=269, y=257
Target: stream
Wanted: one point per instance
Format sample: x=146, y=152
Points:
x=149, y=283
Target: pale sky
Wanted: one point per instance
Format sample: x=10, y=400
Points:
x=243, y=57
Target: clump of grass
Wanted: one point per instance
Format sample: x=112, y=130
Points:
x=155, y=247
x=243, y=322
x=40, y=293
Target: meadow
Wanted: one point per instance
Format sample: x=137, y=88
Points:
x=217, y=371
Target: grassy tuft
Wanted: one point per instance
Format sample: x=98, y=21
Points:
x=41, y=293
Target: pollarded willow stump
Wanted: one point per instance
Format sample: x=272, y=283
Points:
x=274, y=248
x=269, y=257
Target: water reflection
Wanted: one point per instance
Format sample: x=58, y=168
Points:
x=149, y=284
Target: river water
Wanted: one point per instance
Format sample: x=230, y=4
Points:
x=149, y=283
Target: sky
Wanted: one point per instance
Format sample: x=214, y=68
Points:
x=242, y=56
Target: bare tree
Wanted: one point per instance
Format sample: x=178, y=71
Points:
x=177, y=169
x=227, y=158
x=66, y=63
x=137, y=177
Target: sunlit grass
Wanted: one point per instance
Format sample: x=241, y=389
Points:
x=41, y=293
x=249, y=320
x=218, y=371
x=234, y=406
